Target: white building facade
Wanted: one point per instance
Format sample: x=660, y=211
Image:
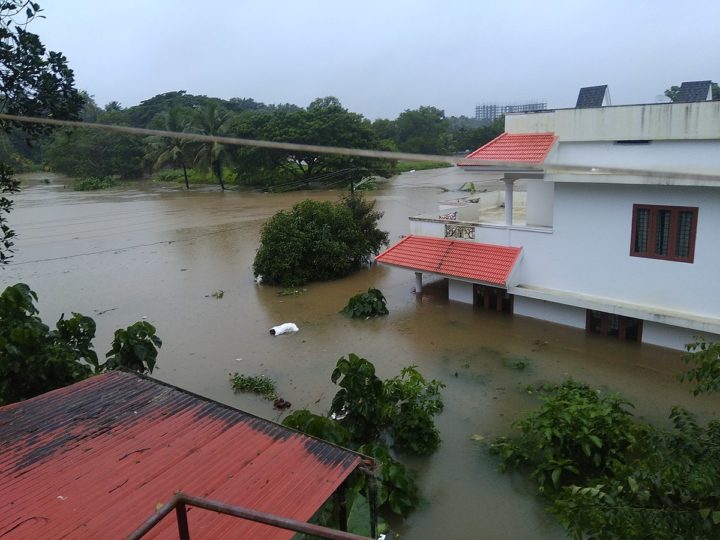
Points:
x=619, y=227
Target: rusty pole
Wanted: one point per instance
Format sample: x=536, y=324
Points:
x=182, y=521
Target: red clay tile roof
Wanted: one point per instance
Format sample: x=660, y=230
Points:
x=473, y=261
x=516, y=147
x=92, y=460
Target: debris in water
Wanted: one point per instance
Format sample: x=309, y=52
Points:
x=284, y=328
x=477, y=437
x=281, y=404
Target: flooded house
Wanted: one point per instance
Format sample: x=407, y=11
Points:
x=607, y=222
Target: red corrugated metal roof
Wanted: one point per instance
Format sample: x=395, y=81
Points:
x=473, y=261
x=515, y=147
x=93, y=460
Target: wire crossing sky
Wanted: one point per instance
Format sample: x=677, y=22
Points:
x=360, y=152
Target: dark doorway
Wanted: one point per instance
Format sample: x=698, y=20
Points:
x=610, y=324
x=493, y=298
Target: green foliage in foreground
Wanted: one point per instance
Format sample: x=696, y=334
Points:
x=365, y=305
x=257, y=384
x=609, y=477
x=35, y=359
x=318, y=241
x=94, y=183
x=367, y=411
x=705, y=357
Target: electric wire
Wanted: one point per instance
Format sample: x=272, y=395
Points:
x=359, y=152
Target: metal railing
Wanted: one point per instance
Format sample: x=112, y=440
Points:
x=181, y=500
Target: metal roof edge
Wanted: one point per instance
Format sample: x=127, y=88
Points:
x=226, y=407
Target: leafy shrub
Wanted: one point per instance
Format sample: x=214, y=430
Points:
x=35, y=359
x=318, y=426
x=609, y=477
x=367, y=410
x=317, y=241
x=403, y=407
x=576, y=429
x=706, y=373
x=94, y=183
x=414, y=403
x=257, y=384
x=360, y=403
x=365, y=305
x=396, y=488
x=135, y=348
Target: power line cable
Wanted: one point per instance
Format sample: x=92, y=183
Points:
x=359, y=152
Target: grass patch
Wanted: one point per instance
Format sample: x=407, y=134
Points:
x=518, y=363
x=94, y=183
x=406, y=166
x=257, y=384
x=292, y=291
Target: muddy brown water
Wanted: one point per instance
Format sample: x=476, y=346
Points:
x=160, y=253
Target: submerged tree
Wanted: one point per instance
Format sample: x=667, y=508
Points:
x=317, y=241
x=212, y=156
x=370, y=415
x=610, y=477
x=171, y=150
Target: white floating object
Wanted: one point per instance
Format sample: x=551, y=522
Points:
x=258, y=279
x=284, y=328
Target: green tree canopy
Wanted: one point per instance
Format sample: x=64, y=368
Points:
x=325, y=122
x=33, y=82
x=316, y=241
x=212, y=156
x=423, y=131
x=175, y=151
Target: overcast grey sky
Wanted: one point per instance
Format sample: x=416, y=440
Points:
x=382, y=57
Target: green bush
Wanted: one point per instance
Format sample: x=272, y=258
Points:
x=135, y=348
x=257, y=384
x=94, y=183
x=317, y=241
x=576, y=429
x=367, y=411
x=365, y=305
x=608, y=477
x=705, y=357
x=35, y=359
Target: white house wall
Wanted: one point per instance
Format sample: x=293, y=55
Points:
x=656, y=121
x=540, y=200
x=672, y=336
x=589, y=249
x=550, y=311
x=460, y=291
x=701, y=157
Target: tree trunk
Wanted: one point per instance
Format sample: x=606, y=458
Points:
x=219, y=173
x=187, y=186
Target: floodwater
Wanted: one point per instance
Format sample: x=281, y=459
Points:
x=160, y=253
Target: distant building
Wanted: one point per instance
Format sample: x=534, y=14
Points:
x=488, y=112
x=616, y=233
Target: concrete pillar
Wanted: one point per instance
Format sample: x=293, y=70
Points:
x=509, y=201
x=418, y=282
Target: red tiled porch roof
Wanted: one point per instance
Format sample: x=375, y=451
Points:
x=517, y=147
x=467, y=260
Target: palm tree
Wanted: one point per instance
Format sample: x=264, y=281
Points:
x=172, y=150
x=210, y=120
